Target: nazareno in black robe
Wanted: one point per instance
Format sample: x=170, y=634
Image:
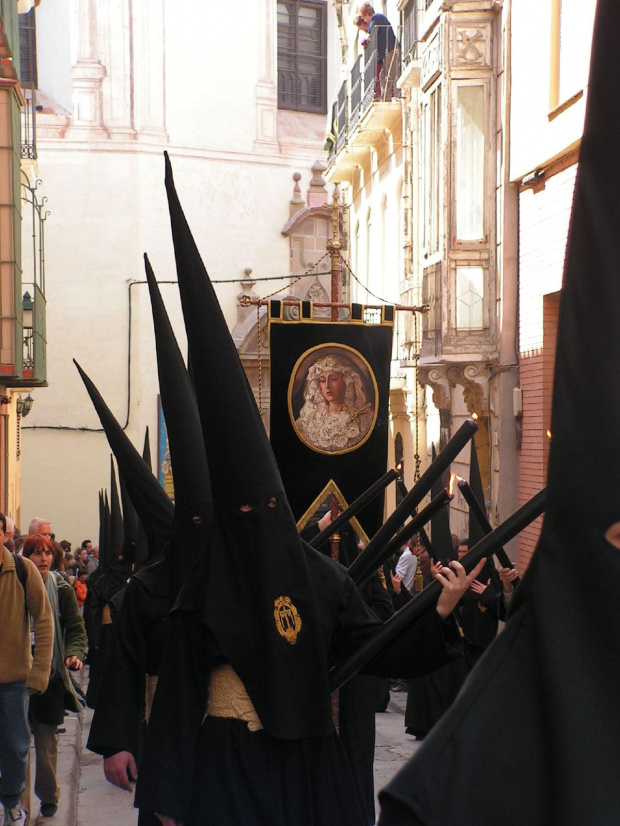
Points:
x=204, y=770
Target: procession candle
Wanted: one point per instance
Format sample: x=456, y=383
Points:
x=364, y=566
x=481, y=519
x=400, y=483
x=512, y=526
x=374, y=549
x=355, y=507
x=428, y=545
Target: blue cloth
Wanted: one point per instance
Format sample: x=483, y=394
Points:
x=386, y=40
x=14, y=741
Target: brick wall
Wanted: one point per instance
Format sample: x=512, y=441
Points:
x=543, y=230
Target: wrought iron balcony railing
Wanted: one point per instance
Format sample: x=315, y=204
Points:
x=372, y=81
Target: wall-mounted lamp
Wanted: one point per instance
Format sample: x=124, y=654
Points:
x=24, y=406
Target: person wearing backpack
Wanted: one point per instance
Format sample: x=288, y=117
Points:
x=22, y=597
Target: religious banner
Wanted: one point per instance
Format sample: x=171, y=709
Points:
x=330, y=385
x=164, y=465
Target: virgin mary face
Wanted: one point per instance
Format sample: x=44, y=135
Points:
x=332, y=386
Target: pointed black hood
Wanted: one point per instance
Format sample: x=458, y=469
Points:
x=193, y=509
x=130, y=522
x=142, y=542
x=146, y=449
x=117, y=534
x=546, y=691
x=154, y=508
x=102, y=539
x=104, y=533
x=257, y=567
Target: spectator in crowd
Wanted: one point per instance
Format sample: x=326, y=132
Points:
x=58, y=564
x=9, y=536
x=22, y=600
x=40, y=527
x=388, y=52
x=47, y=710
x=81, y=561
x=408, y=562
x=81, y=589
x=362, y=25
x=93, y=562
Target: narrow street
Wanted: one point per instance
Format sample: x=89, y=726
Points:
x=99, y=803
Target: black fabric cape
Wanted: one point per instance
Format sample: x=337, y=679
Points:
x=429, y=696
x=135, y=651
x=171, y=776
x=533, y=737
x=256, y=563
x=356, y=705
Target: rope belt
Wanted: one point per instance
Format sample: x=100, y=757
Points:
x=228, y=698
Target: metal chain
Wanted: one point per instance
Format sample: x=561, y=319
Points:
x=416, y=456
x=363, y=286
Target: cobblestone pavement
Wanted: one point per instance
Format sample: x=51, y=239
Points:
x=392, y=747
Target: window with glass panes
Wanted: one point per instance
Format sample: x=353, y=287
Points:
x=302, y=55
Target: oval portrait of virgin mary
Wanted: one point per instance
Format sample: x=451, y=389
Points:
x=332, y=398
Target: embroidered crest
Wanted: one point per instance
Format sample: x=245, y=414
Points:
x=288, y=621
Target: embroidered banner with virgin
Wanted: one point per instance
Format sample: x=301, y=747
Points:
x=330, y=384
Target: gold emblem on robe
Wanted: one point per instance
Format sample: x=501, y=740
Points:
x=288, y=621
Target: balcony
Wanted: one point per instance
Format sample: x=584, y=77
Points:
x=368, y=108
x=412, y=65
x=22, y=329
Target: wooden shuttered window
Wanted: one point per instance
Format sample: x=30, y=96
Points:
x=302, y=55
x=27, y=51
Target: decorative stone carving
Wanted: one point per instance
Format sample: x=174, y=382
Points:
x=318, y=294
x=472, y=45
x=472, y=377
x=436, y=377
x=297, y=201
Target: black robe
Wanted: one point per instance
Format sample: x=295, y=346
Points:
x=205, y=770
x=478, y=615
x=430, y=695
x=134, y=655
x=357, y=700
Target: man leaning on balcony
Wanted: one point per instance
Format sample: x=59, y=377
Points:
x=388, y=52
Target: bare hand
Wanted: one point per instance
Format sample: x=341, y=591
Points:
x=455, y=582
x=396, y=581
x=74, y=663
x=324, y=521
x=168, y=821
x=120, y=769
x=507, y=576
x=479, y=587
x=435, y=568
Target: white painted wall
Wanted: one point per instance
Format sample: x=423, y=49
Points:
x=535, y=138
x=190, y=86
